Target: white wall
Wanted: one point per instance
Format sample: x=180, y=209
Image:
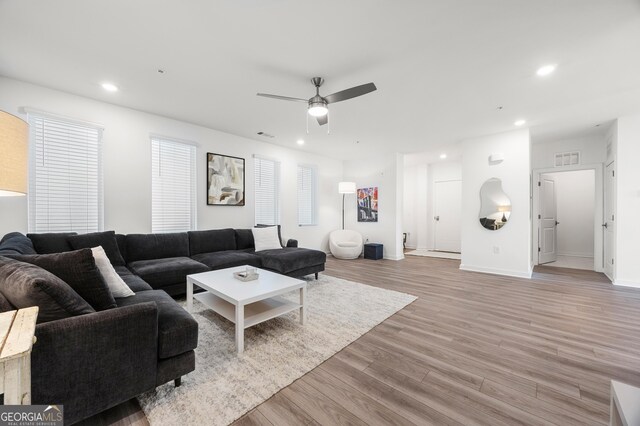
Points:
x=127, y=167
x=627, y=252
x=592, y=150
x=576, y=203
x=513, y=242
x=387, y=173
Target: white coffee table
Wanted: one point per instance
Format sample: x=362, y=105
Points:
x=246, y=303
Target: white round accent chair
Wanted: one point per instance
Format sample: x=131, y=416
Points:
x=345, y=244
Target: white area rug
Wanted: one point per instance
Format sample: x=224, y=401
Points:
x=277, y=352
x=432, y=253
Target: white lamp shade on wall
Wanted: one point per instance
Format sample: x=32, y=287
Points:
x=14, y=151
x=347, y=187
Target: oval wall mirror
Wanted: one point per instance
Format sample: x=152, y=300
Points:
x=495, y=205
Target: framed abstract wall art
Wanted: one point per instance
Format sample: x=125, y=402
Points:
x=225, y=180
x=367, y=204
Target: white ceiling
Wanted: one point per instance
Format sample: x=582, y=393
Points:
x=442, y=67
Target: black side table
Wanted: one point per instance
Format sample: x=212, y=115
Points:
x=373, y=251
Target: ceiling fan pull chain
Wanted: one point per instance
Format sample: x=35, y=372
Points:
x=307, y=115
x=328, y=124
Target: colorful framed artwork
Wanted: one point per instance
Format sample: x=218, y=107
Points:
x=367, y=204
x=225, y=180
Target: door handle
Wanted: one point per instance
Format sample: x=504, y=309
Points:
x=436, y=218
x=557, y=223
x=605, y=225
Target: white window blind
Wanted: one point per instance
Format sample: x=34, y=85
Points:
x=267, y=191
x=173, y=192
x=307, y=211
x=65, y=178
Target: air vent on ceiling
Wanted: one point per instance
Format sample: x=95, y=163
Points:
x=266, y=135
x=566, y=158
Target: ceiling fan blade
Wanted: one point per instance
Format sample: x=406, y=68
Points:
x=351, y=93
x=284, y=98
x=323, y=119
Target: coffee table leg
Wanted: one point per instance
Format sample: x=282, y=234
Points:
x=240, y=328
x=189, y=295
x=303, y=312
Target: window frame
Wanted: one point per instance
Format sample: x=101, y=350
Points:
x=277, y=189
x=314, y=193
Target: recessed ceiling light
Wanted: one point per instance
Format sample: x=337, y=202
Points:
x=300, y=142
x=520, y=123
x=443, y=156
x=110, y=87
x=545, y=70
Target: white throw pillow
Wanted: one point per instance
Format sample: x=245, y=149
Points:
x=118, y=287
x=266, y=238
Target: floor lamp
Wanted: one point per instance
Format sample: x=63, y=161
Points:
x=14, y=150
x=345, y=188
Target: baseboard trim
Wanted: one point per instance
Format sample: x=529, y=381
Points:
x=621, y=283
x=576, y=255
x=496, y=271
x=401, y=257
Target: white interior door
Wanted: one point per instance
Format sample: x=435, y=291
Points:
x=548, y=240
x=609, y=220
x=447, y=205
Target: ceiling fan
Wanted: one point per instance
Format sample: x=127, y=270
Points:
x=318, y=105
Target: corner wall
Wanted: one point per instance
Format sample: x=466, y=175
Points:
x=513, y=241
x=627, y=266
x=387, y=173
x=127, y=167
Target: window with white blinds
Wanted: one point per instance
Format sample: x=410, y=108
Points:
x=307, y=194
x=173, y=192
x=65, y=177
x=267, y=191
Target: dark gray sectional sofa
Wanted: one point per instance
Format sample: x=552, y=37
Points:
x=97, y=360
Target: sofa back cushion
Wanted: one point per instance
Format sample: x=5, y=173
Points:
x=16, y=243
x=78, y=269
x=105, y=239
x=211, y=240
x=244, y=239
x=121, y=239
x=25, y=285
x=52, y=242
x=156, y=246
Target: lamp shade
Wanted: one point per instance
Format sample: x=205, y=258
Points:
x=347, y=188
x=14, y=149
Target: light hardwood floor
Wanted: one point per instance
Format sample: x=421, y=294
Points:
x=473, y=349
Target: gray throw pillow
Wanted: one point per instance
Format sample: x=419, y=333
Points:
x=105, y=239
x=25, y=285
x=78, y=269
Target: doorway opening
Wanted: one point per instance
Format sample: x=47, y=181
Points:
x=569, y=213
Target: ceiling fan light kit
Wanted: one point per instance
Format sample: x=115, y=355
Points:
x=318, y=106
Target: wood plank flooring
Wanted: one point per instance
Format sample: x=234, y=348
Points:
x=473, y=349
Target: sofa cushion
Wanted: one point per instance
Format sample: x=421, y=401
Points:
x=290, y=259
x=5, y=306
x=25, y=285
x=212, y=240
x=134, y=282
x=121, y=240
x=16, y=243
x=228, y=259
x=156, y=246
x=51, y=242
x=78, y=269
x=177, y=330
x=244, y=239
x=162, y=272
x=105, y=239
